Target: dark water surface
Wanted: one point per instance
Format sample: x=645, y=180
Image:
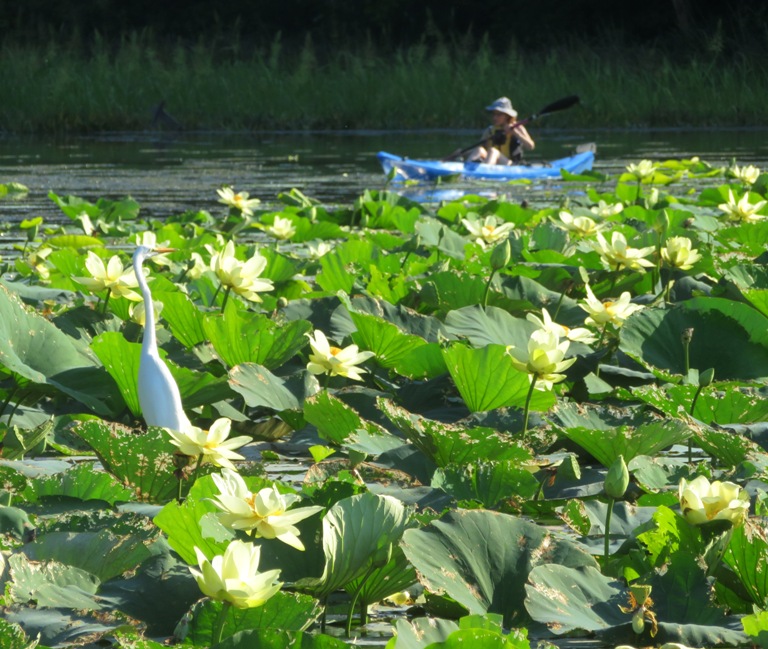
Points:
x=171, y=173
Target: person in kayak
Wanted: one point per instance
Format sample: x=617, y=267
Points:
x=505, y=140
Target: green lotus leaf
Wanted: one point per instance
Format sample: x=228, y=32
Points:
x=284, y=611
x=489, y=326
x=183, y=523
x=76, y=241
x=14, y=521
x=99, y=553
x=478, y=639
x=243, y=338
x=52, y=585
x=756, y=626
x=277, y=639
x=52, y=627
x=487, y=379
x=492, y=483
x=335, y=276
x=121, y=359
x=81, y=481
x=448, y=444
x=143, y=462
x=336, y=421
x=653, y=338
x=752, y=238
x=259, y=387
x=569, y=598
x=357, y=532
x=36, y=350
x=447, y=291
x=745, y=555
x=479, y=558
x=395, y=577
x=702, y=635
x=183, y=317
x=719, y=404
x=729, y=448
x=647, y=439
x=420, y=632
x=14, y=637
x=408, y=355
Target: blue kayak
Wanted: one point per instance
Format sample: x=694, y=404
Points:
x=411, y=169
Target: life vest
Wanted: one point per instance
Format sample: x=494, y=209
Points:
x=511, y=147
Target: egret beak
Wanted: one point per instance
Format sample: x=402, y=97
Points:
x=159, y=251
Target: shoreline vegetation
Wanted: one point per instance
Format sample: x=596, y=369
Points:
x=141, y=83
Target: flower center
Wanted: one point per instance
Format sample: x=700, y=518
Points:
x=334, y=350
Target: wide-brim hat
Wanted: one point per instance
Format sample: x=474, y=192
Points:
x=502, y=105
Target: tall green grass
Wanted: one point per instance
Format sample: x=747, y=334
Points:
x=57, y=88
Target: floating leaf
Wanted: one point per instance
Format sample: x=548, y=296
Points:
x=81, y=481
x=260, y=387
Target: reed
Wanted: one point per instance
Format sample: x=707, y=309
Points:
x=58, y=88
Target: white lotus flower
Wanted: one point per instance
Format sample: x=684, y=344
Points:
x=583, y=225
x=262, y=514
x=544, y=358
x=317, y=250
x=239, y=201
x=281, y=228
x=579, y=334
x=111, y=277
x=747, y=174
x=742, y=210
x=335, y=361
x=617, y=254
x=234, y=577
x=641, y=170
x=701, y=501
x=678, y=253
x=609, y=311
x=605, y=210
x=241, y=276
x=211, y=446
x=489, y=230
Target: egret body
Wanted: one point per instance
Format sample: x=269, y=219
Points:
x=158, y=393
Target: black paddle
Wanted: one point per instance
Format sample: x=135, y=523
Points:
x=560, y=104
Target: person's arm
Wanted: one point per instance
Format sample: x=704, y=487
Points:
x=525, y=137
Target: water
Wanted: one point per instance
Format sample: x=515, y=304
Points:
x=171, y=173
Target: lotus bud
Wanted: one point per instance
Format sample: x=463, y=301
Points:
x=617, y=480
x=638, y=620
x=282, y=302
x=687, y=336
x=501, y=255
x=706, y=377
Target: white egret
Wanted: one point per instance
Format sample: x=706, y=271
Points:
x=158, y=393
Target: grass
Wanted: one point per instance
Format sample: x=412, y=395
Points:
x=58, y=88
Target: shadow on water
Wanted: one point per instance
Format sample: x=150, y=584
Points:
x=172, y=173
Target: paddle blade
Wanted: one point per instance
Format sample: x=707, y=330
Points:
x=560, y=104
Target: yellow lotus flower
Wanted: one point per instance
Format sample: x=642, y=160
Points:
x=239, y=201
x=582, y=225
x=642, y=170
x=261, y=514
x=138, y=313
x=488, y=231
x=617, y=254
x=211, y=446
x=678, y=253
x=242, y=277
x=326, y=359
x=579, y=334
x=609, y=311
x=281, y=228
x=747, y=174
x=604, y=209
x=317, y=250
x=234, y=577
x=544, y=359
x=111, y=277
x=742, y=210
x=701, y=501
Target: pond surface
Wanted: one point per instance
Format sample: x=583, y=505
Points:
x=168, y=173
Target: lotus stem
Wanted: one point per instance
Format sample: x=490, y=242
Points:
x=106, y=302
x=226, y=297
x=607, y=537
x=488, y=288
x=528, y=403
x=222, y=617
x=355, y=597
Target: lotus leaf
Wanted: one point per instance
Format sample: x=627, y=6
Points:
x=277, y=639
x=480, y=558
x=52, y=585
x=183, y=317
x=420, y=632
x=260, y=387
x=495, y=484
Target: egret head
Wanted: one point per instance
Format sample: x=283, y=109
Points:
x=143, y=252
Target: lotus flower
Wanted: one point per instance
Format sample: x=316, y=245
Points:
x=742, y=210
x=583, y=225
x=281, y=228
x=239, y=201
x=617, y=254
x=111, y=277
x=702, y=501
x=747, y=174
x=579, y=334
x=211, y=446
x=334, y=361
x=544, y=359
x=678, y=253
x=262, y=514
x=641, y=170
x=234, y=576
x=242, y=277
x=609, y=311
x=604, y=209
x=489, y=230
